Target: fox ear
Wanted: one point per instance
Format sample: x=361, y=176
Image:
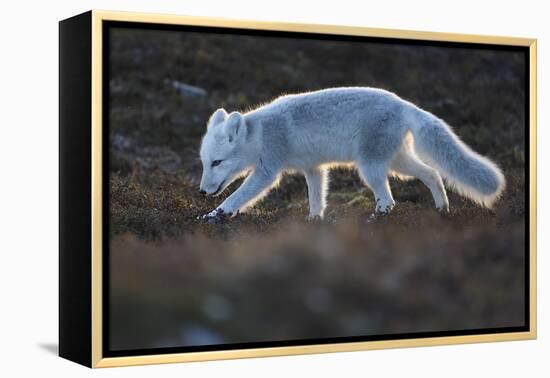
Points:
x=235, y=127
x=217, y=117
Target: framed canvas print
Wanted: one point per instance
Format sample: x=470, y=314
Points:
x=235, y=189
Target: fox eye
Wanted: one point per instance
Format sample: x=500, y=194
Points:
x=215, y=163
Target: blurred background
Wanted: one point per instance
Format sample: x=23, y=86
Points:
x=268, y=275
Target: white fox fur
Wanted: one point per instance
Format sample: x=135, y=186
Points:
x=374, y=129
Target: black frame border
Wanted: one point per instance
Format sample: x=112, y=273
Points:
x=75, y=184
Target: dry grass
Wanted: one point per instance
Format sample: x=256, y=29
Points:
x=303, y=281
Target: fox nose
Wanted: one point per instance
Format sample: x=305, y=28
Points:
x=202, y=191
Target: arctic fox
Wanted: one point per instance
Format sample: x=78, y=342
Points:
x=380, y=133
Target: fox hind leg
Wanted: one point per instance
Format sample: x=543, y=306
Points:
x=317, y=185
x=375, y=175
x=407, y=163
x=377, y=145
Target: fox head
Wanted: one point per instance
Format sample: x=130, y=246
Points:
x=223, y=152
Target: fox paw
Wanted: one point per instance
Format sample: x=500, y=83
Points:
x=384, y=207
x=376, y=216
x=216, y=216
x=443, y=209
x=314, y=218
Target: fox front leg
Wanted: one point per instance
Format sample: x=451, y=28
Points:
x=317, y=184
x=253, y=189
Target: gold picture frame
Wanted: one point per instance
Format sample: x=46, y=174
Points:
x=92, y=354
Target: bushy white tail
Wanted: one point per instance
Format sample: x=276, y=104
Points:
x=469, y=173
